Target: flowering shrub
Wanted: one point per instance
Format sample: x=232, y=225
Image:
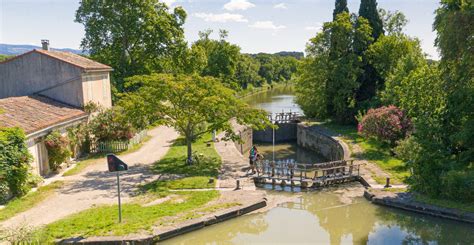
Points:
x=58, y=149
x=387, y=123
x=111, y=124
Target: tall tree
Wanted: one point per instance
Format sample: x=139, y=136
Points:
x=193, y=105
x=341, y=6
x=328, y=83
x=368, y=10
x=369, y=80
x=133, y=36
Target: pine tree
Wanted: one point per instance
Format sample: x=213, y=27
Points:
x=368, y=10
x=341, y=6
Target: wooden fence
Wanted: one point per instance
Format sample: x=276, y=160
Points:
x=117, y=145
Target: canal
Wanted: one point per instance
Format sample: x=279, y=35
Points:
x=329, y=216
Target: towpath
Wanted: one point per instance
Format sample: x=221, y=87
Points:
x=96, y=186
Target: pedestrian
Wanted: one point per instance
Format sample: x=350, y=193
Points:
x=253, y=155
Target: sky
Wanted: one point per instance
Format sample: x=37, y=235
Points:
x=255, y=25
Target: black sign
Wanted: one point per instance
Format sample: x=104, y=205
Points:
x=115, y=164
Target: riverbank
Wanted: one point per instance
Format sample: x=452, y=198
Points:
x=407, y=201
x=266, y=87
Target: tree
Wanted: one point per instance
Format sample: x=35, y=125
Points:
x=393, y=22
x=247, y=72
x=368, y=79
x=388, y=51
x=341, y=6
x=368, y=10
x=134, y=36
x=332, y=69
x=193, y=105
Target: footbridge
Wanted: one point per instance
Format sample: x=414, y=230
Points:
x=288, y=172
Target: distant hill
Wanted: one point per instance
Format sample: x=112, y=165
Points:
x=16, y=49
x=297, y=55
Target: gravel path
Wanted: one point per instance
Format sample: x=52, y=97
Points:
x=234, y=166
x=95, y=185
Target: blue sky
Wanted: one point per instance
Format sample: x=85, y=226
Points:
x=255, y=25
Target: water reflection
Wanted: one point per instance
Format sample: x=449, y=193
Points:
x=276, y=100
x=323, y=219
x=289, y=150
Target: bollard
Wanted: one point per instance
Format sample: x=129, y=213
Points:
x=387, y=185
x=237, y=182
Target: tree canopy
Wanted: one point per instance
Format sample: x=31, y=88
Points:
x=192, y=104
x=134, y=37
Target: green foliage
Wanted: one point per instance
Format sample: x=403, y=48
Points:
x=368, y=10
x=247, y=72
x=14, y=161
x=341, y=6
x=386, y=54
x=111, y=124
x=443, y=164
x=144, y=37
x=328, y=81
x=5, y=57
x=58, y=149
x=193, y=105
x=102, y=221
x=393, y=22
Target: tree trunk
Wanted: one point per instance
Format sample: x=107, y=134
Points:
x=189, y=142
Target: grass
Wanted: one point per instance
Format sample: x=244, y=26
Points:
x=102, y=221
x=28, y=201
x=161, y=188
x=467, y=207
x=91, y=159
x=373, y=151
x=174, y=162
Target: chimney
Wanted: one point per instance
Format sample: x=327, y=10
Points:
x=45, y=44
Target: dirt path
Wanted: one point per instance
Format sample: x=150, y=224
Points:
x=95, y=185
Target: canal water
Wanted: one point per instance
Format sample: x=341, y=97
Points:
x=325, y=216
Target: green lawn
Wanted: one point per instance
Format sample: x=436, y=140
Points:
x=174, y=162
x=28, y=201
x=373, y=151
x=103, y=220
x=161, y=188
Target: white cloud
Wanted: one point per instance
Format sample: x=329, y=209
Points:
x=225, y=17
x=238, y=5
x=266, y=25
x=280, y=6
x=316, y=27
x=169, y=2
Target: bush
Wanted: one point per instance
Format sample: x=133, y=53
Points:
x=387, y=123
x=14, y=162
x=458, y=185
x=58, y=149
x=111, y=124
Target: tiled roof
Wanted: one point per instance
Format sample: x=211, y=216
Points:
x=75, y=59
x=33, y=113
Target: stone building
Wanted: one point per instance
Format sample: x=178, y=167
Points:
x=44, y=90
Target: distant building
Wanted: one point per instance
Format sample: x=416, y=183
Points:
x=43, y=90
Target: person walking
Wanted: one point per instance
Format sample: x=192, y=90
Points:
x=253, y=156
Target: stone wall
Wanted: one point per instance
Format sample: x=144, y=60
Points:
x=284, y=133
x=319, y=140
x=246, y=138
